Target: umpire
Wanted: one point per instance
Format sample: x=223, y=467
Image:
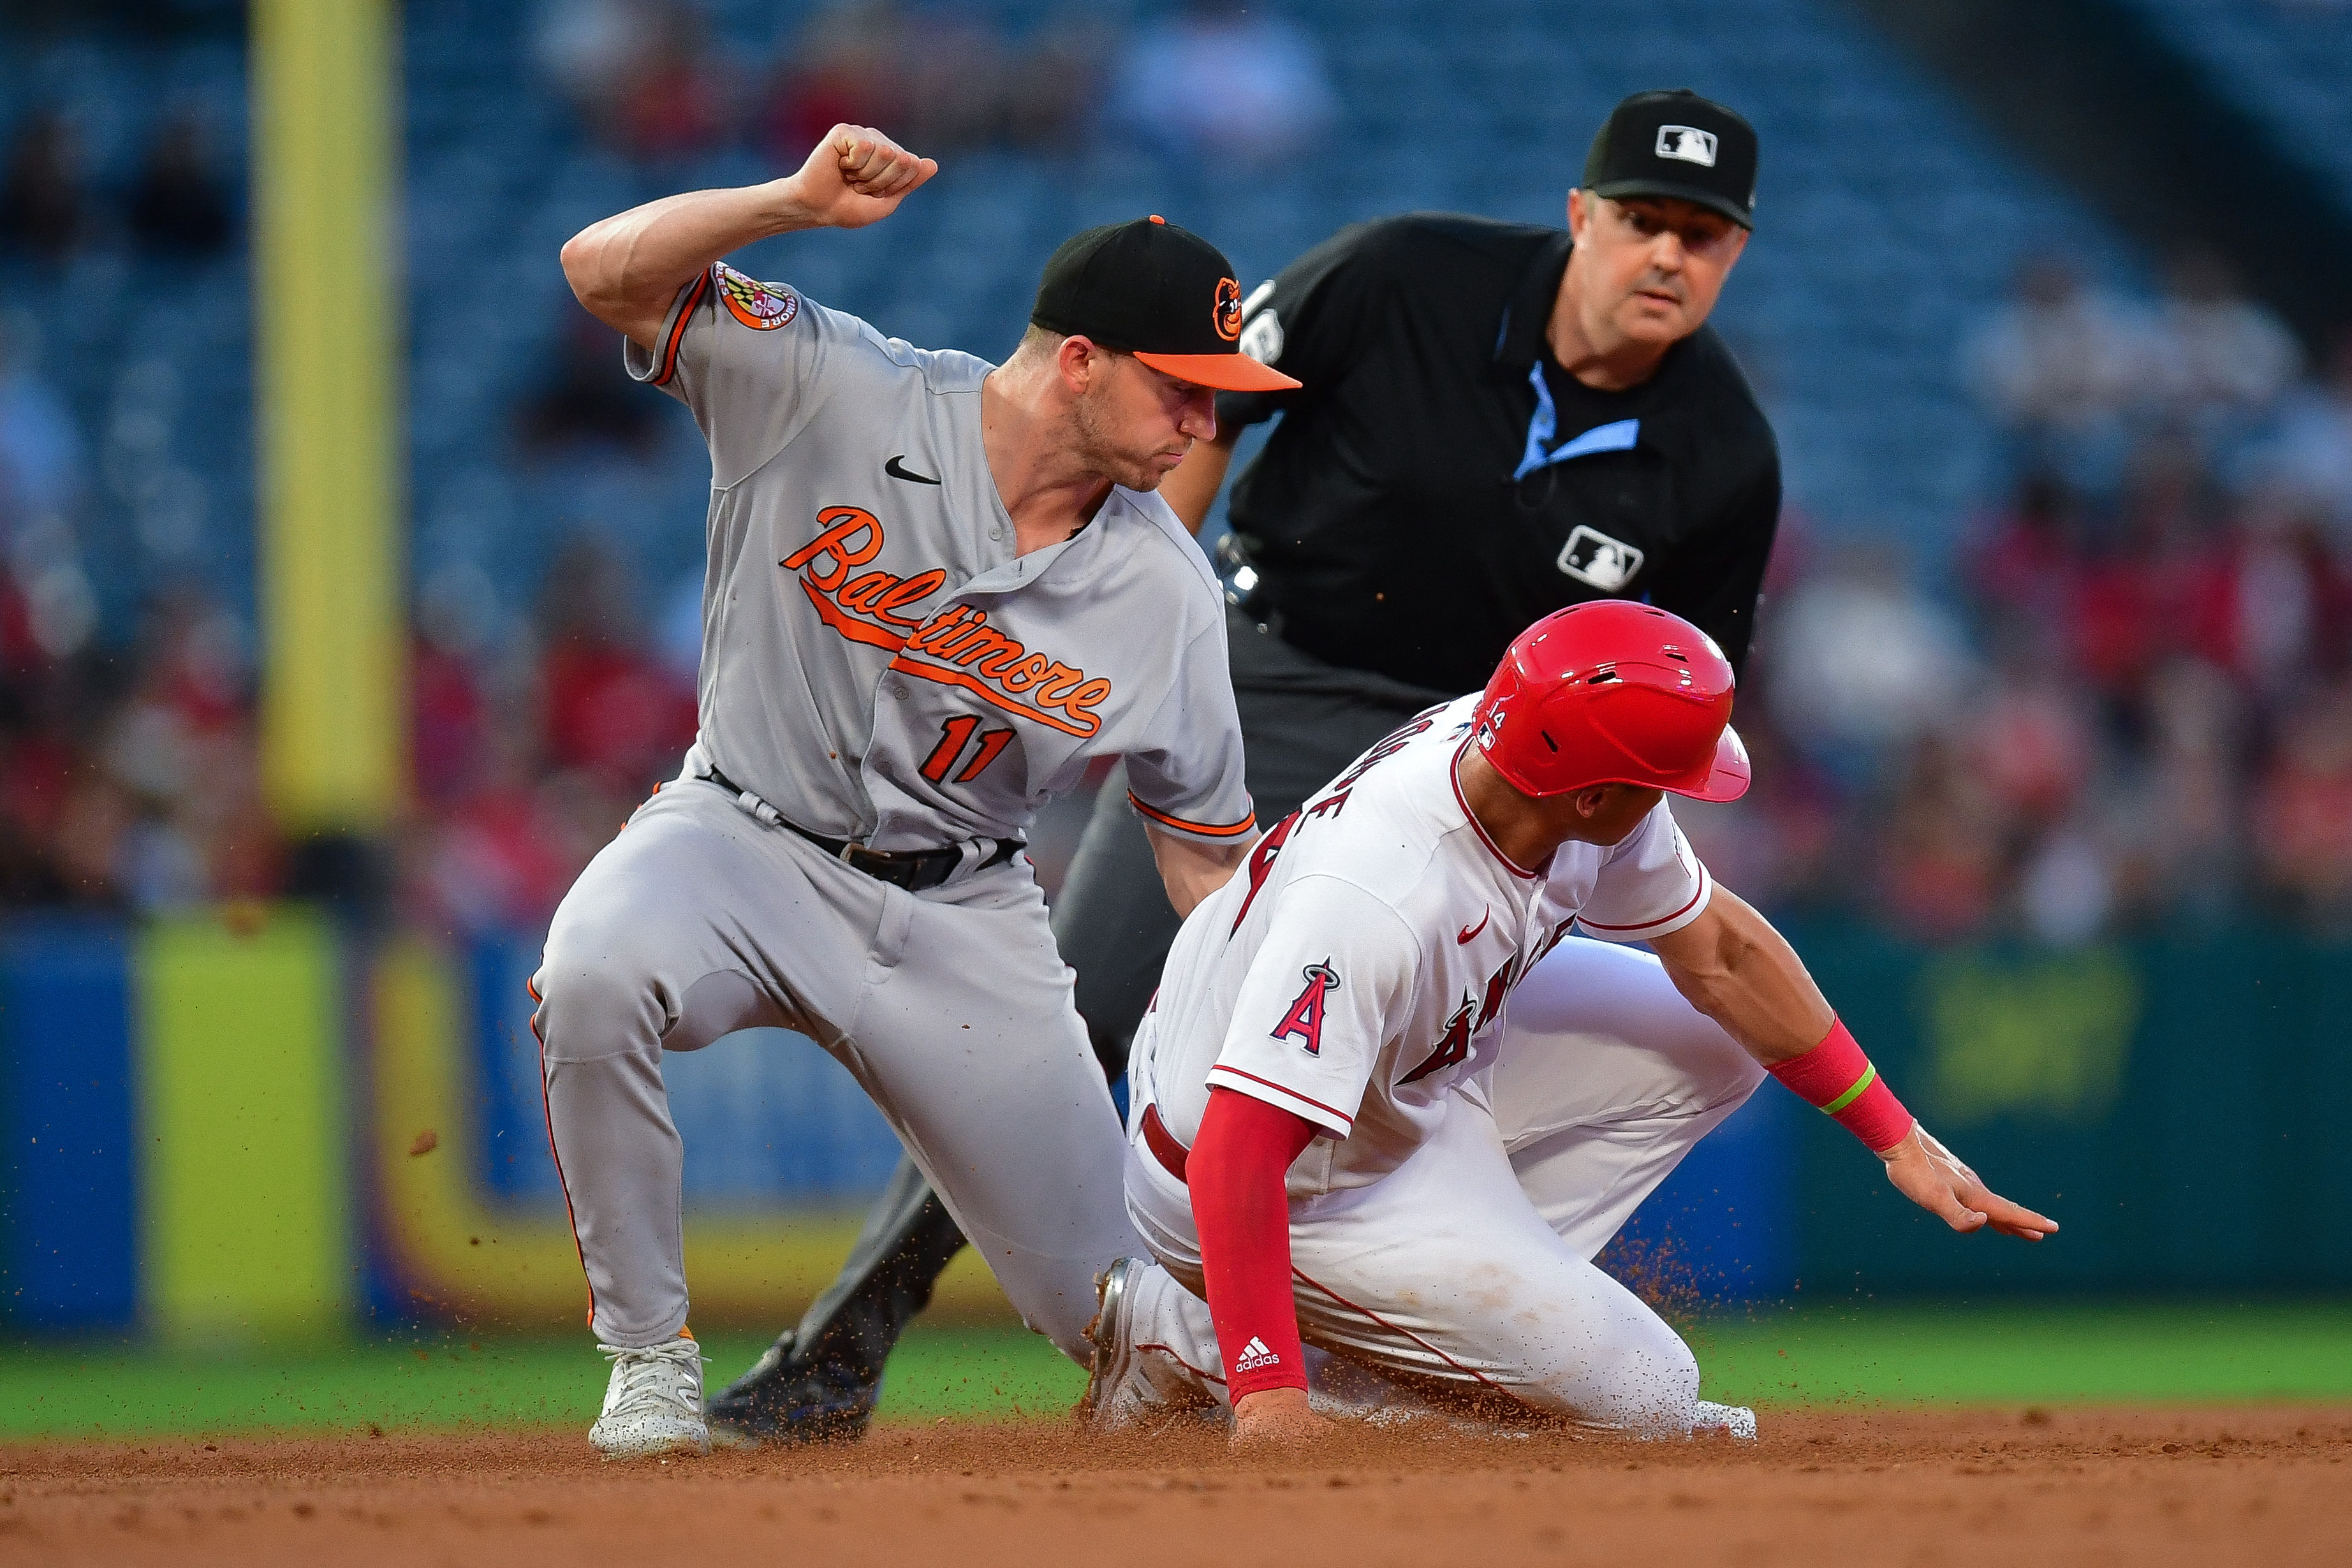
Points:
x=1497, y=421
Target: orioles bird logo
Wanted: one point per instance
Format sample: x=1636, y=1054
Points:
x=1305, y=1017
x=1228, y=314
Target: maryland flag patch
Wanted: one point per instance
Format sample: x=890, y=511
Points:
x=762, y=307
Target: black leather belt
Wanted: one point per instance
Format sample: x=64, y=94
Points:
x=913, y=869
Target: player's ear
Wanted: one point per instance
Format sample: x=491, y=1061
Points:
x=1579, y=206
x=1080, y=362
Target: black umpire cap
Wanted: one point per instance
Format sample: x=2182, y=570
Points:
x=1677, y=143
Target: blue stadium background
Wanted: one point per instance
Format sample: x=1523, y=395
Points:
x=1895, y=213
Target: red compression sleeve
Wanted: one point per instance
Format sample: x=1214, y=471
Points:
x=1839, y=1079
x=1236, y=1171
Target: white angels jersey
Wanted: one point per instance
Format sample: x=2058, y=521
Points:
x=877, y=661
x=1358, y=969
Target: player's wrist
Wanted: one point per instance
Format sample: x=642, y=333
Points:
x=1838, y=1078
x=1243, y=1387
x=785, y=205
x=1270, y=1400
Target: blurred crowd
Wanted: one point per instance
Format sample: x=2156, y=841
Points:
x=1206, y=80
x=179, y=202
x=2124, y=697
x=2128, y=699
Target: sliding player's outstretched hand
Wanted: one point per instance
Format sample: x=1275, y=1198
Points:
x=1277, y=1417
x=1938, y=1181
x=858, y=176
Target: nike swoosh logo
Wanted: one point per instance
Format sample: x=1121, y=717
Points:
x=1470, y=931
x=897, y=469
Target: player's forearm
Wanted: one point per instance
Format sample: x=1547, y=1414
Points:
x=1736, y=969
x=628, y=267
x=1192, y=870
x=1193, y=488
x=1241, y=1208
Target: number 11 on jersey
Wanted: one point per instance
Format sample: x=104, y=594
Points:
x=954, y=735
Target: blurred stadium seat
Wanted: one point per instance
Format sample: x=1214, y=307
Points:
x=2288, y=63
x=1846, y=309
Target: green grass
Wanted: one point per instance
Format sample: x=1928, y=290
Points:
x=120, y=1389
x=1992, y=1354
x=2000, y=1352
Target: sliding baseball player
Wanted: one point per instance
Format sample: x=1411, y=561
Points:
x=1315, y=1152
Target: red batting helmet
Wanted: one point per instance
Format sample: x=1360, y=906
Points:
x=1613, y=692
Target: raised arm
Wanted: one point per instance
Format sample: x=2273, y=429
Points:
x=1737, y=970
x=628, y=267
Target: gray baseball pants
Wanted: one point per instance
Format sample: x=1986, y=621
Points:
x=951, y=1008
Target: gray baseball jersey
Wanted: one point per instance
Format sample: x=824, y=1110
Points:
x=877, y=662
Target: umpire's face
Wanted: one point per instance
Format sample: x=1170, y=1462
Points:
x=1650, y=267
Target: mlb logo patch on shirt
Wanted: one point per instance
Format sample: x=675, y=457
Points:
x=1594, y=559
x=1687, y=144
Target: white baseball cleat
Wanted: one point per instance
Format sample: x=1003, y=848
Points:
x=1116, y=1393
x=1736, y=1422
x=653, y=1405
x=1126, y=1389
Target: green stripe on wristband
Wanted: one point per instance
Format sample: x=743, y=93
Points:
x=1869, y=1073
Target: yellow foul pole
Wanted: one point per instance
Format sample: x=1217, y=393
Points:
x=327, y=315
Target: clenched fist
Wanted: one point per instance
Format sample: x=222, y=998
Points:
x=857, y=176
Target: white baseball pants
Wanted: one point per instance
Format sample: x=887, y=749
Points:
x=1468, y=1268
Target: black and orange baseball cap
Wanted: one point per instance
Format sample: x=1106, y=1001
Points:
x=1161, y=293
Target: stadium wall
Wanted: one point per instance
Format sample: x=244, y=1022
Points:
x=251, y=1123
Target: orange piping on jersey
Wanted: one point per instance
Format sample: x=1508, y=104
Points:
x=701, y=286
x=1207, y=830
x=1283, y=1089
x=1087, y=726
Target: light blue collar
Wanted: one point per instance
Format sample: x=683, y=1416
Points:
x=1544, y=424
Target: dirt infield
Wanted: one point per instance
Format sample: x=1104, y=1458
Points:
x=2272, y=1486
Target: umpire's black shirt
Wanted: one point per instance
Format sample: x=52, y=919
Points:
x=1382, y=520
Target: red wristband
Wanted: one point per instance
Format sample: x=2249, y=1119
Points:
x=1838, y=1078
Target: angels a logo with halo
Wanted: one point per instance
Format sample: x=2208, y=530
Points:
x=1229, y=308
x=762, y=307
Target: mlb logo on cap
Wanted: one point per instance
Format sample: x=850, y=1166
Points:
x=1679, y=145
x=1688, y=143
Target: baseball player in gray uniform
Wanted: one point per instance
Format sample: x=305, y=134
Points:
x=937, y=590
